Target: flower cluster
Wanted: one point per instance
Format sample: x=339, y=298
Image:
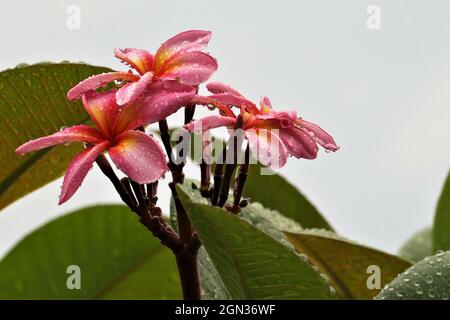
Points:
x=156, y=87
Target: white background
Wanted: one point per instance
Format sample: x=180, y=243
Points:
x=383, y=94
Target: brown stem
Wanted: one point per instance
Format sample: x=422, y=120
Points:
x=240, y=182
x=205, y=178
x=187, y=263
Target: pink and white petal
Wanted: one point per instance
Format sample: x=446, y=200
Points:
x=267, y=147
x=220, y=87
x=98, y=81
x=102, y=109
x=162, y=98
x=322, y=138
x=80, y=133
x=139, y=156
x=190, y=68
x=188, y=41
x=299, y=143
x=78, y=169
x=208, y=123
x=140, y=60
x=131, y=91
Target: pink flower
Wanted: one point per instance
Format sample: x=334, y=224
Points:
x=179, y=58
x=277, y=133
x=136, y=154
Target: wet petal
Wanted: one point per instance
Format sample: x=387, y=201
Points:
x=190, y=68
x=80, y=133
x=188, y=41
x=322, y=138
x=209, y=122
x=299, y=143
x=220, y=87
x=78, y=168
x=267, y=147
x=237, y=101
x=98, y=81
x=265, y=105
x=162, y=98
x=102, y=109
x=139, y=156
x=133, y=90
x=208, y=101
x=140, y=60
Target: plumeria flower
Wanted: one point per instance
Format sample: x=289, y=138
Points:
x=135, y=153
x=179, y=58
x=272, y=135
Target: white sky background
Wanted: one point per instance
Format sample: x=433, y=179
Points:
x=383, y=94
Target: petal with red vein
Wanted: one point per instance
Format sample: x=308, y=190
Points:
x=78, y=169
x=267, y=147
x=98, y=81
x=299, y=143
x=139, y=156
x=188, y=41
x=80, y=133
x=133, y=90
x=322, y=138
x=162, y=98
x=140, y=60
x=190, y=68
x=102, y=109
x=209, y=122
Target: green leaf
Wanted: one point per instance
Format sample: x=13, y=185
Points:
x=251, y=264
x=417, y=247
x=33, y=104
x=345, y=263
x=117, y=256
x=441, y=227
x=275, y=192
x=428, y=279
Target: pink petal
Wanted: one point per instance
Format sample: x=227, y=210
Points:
x=322, y=138
x=284, y=119
x=162, y=98
x=267, y=147
x=190, y=68
x=133, y=90
x=208, y=101
x=188, y=41
x=209, y=122
x=299, y=143
x=80, y=133
x=78, y=168
x=219, y=87
x=139, y=156
x=102, y=109
x=237, y=101
x=140, y=60
x=98, y=81
x=265, y=105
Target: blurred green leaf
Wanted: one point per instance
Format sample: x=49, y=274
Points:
x=441, y=227
x=417, y=247
x=428, y=279
x=251, y=264
x=345, y=263
x=117, y=256
x=33, y=104
x=275, y=192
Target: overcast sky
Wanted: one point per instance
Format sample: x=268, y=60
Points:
x=383, y=93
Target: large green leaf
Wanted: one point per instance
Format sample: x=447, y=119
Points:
x=33, y=104
x=117, y=256
x=428, y=279
x=417, y=247
x=251, y=264
x=271, y=222
x=345, y=263
x=275, y=192
x=441, y=227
